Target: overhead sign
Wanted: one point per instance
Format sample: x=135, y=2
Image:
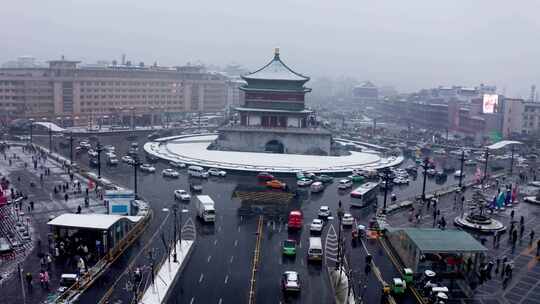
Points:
x=490, y=103
x=119, y=202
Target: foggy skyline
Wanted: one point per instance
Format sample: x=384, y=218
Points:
x=412, y=45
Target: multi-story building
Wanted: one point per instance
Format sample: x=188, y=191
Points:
x=531, y=118
x=70, y=94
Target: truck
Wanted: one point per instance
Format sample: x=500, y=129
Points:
x=205, y=208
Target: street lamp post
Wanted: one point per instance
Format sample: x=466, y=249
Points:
x=387, y=181
x=485, y=166
x=71, y=149
x=31, y=129
x=99, y=149
x=50, y=138
x=136, y=163
x=512, y=161
x=340, y=216
x=175, y=210
x=425, y=167
x=461, y=168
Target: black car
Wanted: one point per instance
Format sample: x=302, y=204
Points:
x=195, y=187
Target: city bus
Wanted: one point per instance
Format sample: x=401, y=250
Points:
x=365, y=194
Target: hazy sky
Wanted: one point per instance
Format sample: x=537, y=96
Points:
x=410, y=44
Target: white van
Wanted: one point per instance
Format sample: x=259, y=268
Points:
x=197, y=171
x=315, y=251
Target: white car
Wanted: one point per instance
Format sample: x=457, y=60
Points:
x=458, y=173
x=290, y=281
x=316, y=225
x=112, y=161
x=177, y=164
x=324, y=211
x=216, y=172
x=304, y=182
x=347, y=219
x=400, y=181
x=344, y=184
x=128, y=159
x=110, y=154
x=182, y=195
x=109, y=148
x=147, y=168
x=170, y=173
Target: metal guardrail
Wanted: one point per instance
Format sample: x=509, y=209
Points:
x=255, y=262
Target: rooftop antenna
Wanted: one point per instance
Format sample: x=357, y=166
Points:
x=276, y=52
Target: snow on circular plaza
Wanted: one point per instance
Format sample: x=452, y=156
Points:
x=192, y=150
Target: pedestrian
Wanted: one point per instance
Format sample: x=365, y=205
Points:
x=66, y=197
x=522, y=221
x=514, y=237
x=531, y=236
x=512, y=214
x=538, y=247
x=497, y=264
x=32, y=205
x=28, y=277
x=42, y=279
x=79, y=209
x=521, y=230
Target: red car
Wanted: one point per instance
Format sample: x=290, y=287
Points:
x=265, y=176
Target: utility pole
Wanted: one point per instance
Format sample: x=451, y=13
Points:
x=22, y=282
x=99, y=149
x=425, y=167
x=461, y=168
x=485, y=167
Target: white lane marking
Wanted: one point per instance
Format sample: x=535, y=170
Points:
x=273, y=226
x=226, y=279
x=280, y=225
x=192, y=300
x=235, y=243
x=300, y=245
x=201, y=278
x=209, y=258
x=215, y=242
x=302, y=262
x=232, y=258
x=220, y=300
x=238, y=228
x=219, y=229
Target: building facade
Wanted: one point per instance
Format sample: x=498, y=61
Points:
x=273, y=117
x=68, y=94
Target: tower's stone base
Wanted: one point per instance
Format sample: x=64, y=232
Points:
x=265, y=141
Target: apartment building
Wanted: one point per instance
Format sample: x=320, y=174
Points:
x=70, y=94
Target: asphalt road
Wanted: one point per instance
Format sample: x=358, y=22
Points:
x=219, y=268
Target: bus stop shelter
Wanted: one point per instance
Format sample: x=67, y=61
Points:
x=444, y=251
x=100, y=232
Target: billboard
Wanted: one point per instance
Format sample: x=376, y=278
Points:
x=490, y=103
x=119, y=202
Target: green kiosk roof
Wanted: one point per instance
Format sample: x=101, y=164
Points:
x=431, y=240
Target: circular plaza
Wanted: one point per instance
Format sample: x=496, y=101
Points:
x=193, y=150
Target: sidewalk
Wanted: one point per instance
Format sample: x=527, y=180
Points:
x=38, y=187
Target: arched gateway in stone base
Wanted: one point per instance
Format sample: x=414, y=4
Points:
x=274, y=146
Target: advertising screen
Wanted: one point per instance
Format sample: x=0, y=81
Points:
x=119, y=201
x=490, y=103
